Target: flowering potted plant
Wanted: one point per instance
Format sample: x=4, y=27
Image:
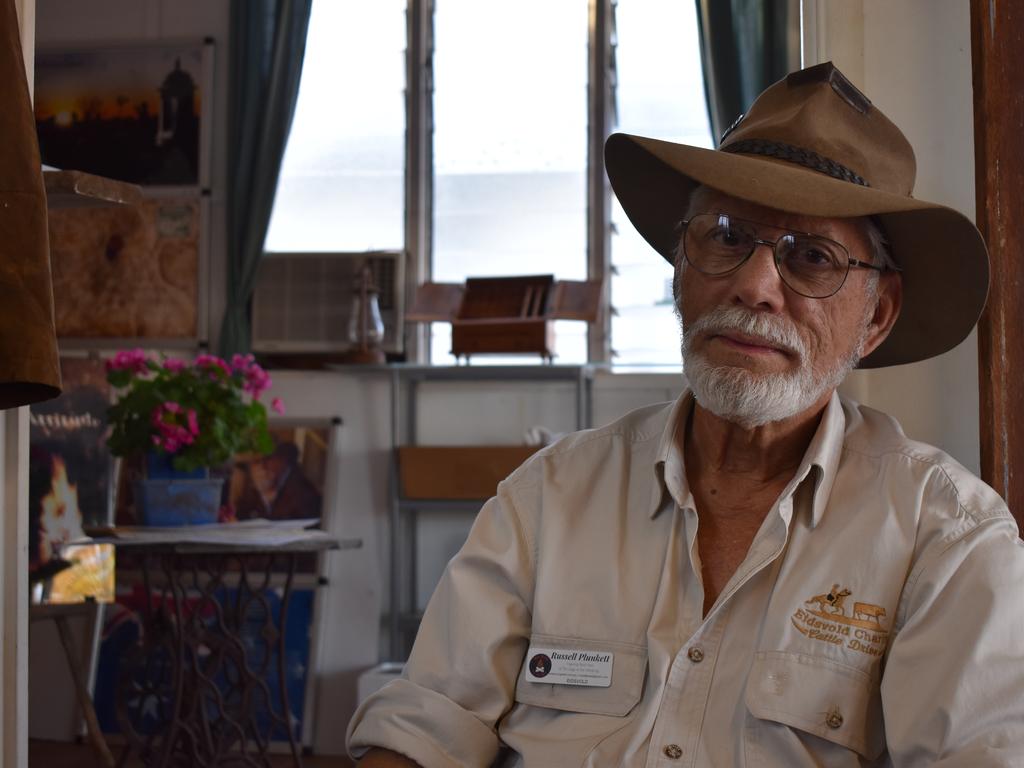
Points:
x=186, y=418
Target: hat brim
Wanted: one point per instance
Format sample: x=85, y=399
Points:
x=942, y=255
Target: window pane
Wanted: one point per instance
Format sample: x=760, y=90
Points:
x=510, y=133
x=342, y=180
x=661, y=94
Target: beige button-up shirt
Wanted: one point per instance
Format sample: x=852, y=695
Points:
x=878, y=618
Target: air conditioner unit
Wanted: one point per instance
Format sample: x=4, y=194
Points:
x=303, y=301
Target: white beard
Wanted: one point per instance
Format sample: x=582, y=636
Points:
x=751, y=399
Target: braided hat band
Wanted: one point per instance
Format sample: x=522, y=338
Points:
x=798, y=155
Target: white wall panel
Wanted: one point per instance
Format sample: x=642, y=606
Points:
x=913, y=60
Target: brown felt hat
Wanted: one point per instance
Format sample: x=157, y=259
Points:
x=815, y=145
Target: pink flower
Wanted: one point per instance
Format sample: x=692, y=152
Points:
x=241, y=362
x=173, y=436
x=257, y=381
x=277, y=405
x=174, y=365
x=133, y=360
x=210, y=362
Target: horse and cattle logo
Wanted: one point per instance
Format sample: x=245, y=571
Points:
x=824, y=618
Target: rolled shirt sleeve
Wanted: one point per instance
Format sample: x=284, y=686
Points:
x=954, y=678
x=461, y=674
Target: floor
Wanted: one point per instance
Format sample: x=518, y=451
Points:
x=57, y=754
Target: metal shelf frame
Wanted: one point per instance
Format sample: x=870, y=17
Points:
x=403, y=614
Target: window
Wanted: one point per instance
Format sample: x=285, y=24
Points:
x=660, y=93
x=510, y=148
x=507, y=127
x=341, y=186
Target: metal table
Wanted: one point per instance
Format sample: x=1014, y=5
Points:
x=193, y=692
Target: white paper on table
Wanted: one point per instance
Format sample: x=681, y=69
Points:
x=256, y=532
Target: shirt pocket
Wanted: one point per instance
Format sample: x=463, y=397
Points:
x=813, y=695
x=629, y=665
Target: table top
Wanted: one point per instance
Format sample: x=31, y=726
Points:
x=255, y=536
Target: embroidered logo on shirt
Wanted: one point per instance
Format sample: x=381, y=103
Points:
x=824, y=618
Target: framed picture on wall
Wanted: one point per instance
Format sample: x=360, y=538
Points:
x=133, y=112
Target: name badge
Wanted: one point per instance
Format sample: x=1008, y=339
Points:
x=567, y=666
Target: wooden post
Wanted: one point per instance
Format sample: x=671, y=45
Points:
x=997, y=36
x=14, y=525
x=14, y=594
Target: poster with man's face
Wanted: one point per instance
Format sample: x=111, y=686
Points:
x=287, y=484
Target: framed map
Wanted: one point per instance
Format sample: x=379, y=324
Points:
x=130, y=272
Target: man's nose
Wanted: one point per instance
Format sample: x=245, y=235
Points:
x=757, y=283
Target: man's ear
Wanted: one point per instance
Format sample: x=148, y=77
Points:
x=888, y=302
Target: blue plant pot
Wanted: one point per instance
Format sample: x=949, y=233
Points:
x=170, y=497
x=159, y=466
x=178, y=502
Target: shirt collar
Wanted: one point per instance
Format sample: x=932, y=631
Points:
x=669, y=453
x=823, y=455
x=821, y=458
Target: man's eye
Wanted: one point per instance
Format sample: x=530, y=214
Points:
x=726, y=236
x=811, y=257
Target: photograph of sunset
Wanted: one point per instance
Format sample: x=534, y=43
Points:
x=128, y=113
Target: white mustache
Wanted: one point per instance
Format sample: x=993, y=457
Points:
x=774, y=331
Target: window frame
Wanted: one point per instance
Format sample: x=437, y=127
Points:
x=419, y=168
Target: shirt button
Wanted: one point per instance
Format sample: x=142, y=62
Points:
x=673, y=751
x=696, y=654
x=834, y=719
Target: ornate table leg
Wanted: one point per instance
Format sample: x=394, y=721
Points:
x=195, y=692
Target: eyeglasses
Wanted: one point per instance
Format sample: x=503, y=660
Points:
x=811, y=265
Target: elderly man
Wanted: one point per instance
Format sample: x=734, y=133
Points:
x=762, y=573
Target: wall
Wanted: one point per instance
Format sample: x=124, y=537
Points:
x=913, y=60
x=917, y=66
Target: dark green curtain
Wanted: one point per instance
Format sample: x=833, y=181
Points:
x=746, y=45
x=268, y=42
